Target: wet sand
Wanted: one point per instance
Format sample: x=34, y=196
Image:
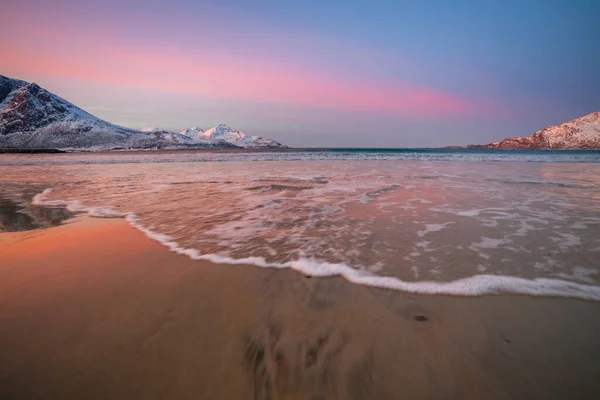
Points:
x=93, y=309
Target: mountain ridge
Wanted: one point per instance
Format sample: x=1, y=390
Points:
x=581, y=133
x=31, y=117
x=238, y=138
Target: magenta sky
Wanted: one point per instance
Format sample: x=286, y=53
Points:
x=269, y=70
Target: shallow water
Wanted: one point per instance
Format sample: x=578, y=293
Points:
x=410, y=220
x=17, y=213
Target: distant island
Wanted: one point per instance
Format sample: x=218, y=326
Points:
x=578, y=134
x=33, y=119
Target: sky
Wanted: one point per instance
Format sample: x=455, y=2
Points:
x=310, y=73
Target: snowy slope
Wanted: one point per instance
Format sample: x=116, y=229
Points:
x=32, y=117
x=578, y=134
x=194, y=132
x=225, y=133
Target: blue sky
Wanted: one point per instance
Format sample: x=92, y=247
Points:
x=310, y=73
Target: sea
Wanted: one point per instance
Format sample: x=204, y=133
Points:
x=434, y=221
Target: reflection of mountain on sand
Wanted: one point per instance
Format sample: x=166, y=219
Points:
x=140, y=322
x=18, y=214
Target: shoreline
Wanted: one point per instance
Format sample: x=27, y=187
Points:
x=10, y=150
x=476, y=285
x=94, y=309
x=29, y=151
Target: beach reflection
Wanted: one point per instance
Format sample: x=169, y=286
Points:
x=18, y=214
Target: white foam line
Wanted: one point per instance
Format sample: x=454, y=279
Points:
x=477, y=285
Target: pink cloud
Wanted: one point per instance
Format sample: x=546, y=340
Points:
x=94, y=55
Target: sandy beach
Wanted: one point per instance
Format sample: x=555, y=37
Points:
x=93, y=309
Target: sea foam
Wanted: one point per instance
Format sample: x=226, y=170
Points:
x=477, y=285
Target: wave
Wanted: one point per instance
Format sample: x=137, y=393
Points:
x=434, y=155
x=317, y=179
x=365, y=198
x=542, y=183
x=477, y=285
x=279, y=188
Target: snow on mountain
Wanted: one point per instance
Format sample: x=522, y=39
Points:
x=225, y=133
x=32, y=117
x=194, y=132
x=578, y=134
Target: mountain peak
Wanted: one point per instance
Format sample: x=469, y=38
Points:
x=12, y=81
x=593, y=118
x=7, y=85
x=220, y=129
x=194, y=132
x=224, y=133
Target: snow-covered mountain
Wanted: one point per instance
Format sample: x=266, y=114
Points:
x=225, y=133
x=578, y=134
x=32, y=117
x=194, y=132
